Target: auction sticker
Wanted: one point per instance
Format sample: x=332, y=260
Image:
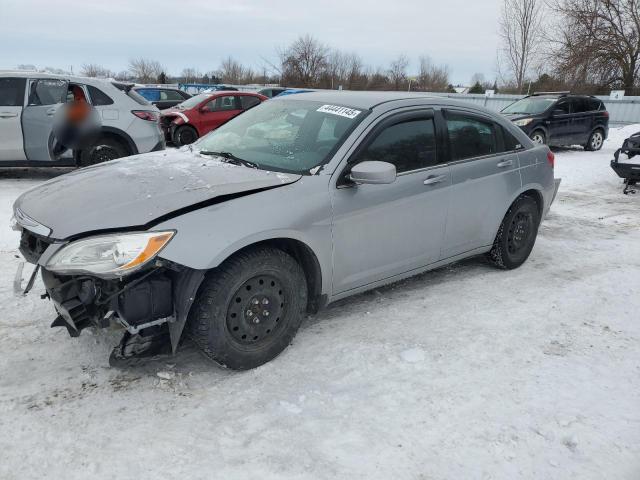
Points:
x=337, y=110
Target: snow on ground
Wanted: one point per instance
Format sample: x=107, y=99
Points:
x=465, y=372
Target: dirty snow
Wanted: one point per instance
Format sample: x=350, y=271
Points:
x=465, y=372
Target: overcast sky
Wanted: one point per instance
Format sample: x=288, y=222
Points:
x=199, y=33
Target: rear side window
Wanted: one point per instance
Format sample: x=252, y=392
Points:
x=594, y=104
x=248, y=101
x=470, y=137
x=170, y=95
x=12, y=92
x=579, y=105
x=47, y=91
x=409, y=145
x=98, y=97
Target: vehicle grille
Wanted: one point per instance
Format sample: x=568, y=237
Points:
x=32, y=246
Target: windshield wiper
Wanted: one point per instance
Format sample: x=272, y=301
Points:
x=229, y=157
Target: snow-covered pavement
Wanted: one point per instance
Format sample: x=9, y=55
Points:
x=463, y=373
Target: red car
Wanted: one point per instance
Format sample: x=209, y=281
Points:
x=197, y=116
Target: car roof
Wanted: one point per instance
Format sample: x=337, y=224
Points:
x=370, y=100
x=71, y=78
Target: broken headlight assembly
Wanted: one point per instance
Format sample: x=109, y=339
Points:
x=109, y=256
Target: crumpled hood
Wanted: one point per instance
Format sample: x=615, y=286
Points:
x=135, y=191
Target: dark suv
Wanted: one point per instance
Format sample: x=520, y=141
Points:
x=561, y=119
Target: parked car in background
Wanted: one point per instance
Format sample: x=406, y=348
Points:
x=200, y=114
x=221, y=88
x=293, y=91
x=299, y=202
x=163, y=97
x=271, y=91
x=28, y=104
x=561, y=119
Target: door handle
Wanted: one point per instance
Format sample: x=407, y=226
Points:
x=8, y=115
x=434, y=179
x=505, y=163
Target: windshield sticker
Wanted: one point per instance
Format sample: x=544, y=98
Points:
x=337, y=110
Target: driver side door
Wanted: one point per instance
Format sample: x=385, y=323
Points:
x=46, y=96
x=381, y=231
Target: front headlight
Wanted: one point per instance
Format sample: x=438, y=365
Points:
x=523, y=122
x=109, y=255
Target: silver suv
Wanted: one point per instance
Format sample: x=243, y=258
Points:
x=301, y=201
x=28, y=105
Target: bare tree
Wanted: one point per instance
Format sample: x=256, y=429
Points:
x=145, y=70
x=398, y=72
x=231, y=71
x=95, y=70
x=521, y=33
x=599, y=41
x=303, y=62
x=432, y=78
x=190, y=75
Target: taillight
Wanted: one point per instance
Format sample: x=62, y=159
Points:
x=606, y=114
x=146, y=115
x=551, y=158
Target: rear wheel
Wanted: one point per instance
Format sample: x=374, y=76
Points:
x=249, y=309
x=103, y=150
x=516, y=235
x=595, y=142
x=184, y=135
x=538, y=137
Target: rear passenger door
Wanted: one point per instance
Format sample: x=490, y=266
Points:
x=581, y=120
x=46, y=95
x=380, y=231
x=484, y=178
x=11, y=102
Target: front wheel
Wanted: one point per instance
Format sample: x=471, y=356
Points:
x=538, y=137
x=516, y=235
x=595, y=142
x=184, y=135
x=249, y=309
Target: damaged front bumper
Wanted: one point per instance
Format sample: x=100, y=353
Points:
x=151, y=303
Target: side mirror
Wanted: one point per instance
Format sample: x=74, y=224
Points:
x=373, y=172
x=557, y=113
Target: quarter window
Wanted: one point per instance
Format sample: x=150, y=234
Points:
x=409, y=145
x=12, y=92
x=98, y=97
x=470, y=137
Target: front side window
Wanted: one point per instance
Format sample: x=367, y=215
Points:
x=286, y=136
x=529, y=106
x=563, y=106
x=409, y=145
x=47, y=92
x=470, y=137
x=12, y=92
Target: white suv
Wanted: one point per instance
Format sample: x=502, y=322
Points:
x=29, y=101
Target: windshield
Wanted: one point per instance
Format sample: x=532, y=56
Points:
x=530, y=105
x=194, y=101
x=285, y=136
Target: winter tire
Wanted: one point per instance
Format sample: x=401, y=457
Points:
x=249, y=309
x=595, y=142
x=184, y=135
x=516, y=235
